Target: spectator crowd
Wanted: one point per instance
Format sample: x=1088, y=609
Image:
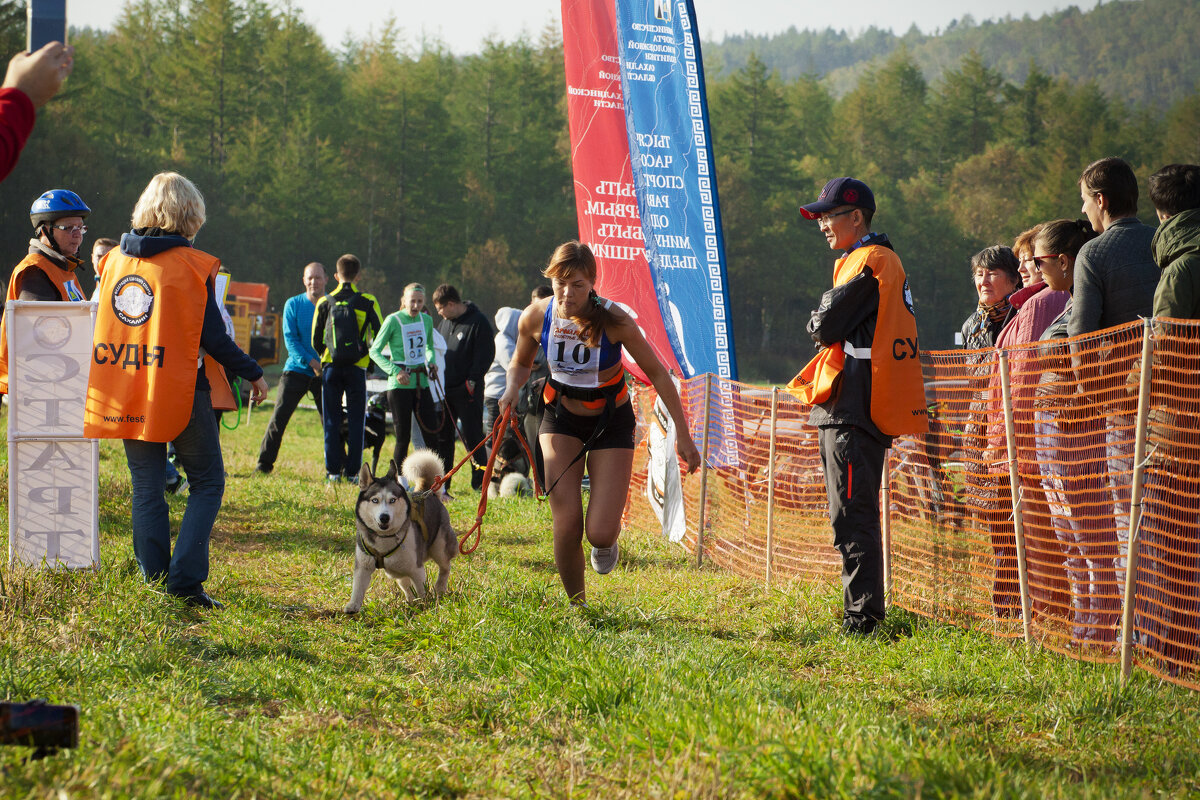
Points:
x=1069, y=278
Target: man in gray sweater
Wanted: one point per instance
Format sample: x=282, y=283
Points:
x=1115, y=279
x=1115, y=273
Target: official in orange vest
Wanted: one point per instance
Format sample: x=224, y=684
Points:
x=157, y=357
x=48, y=271
x=865, y=386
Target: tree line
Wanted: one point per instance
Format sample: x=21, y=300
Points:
x=434, y=167
x=1139, y=51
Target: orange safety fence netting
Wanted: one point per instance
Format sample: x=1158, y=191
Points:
x=1166, y=618
x=952, y=516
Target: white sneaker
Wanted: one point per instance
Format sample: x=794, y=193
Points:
x=605, y=558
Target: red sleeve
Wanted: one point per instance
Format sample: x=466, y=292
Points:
x=16, y=123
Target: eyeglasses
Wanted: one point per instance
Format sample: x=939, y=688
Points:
x=1039, y=259
x=71, y=228
x=825, y=219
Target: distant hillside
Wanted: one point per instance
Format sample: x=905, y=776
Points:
x=1143, y=52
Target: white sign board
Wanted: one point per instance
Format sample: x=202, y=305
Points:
x=53, y=511
x=664, y=489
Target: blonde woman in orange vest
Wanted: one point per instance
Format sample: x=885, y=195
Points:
x=157, y=357
x=865, y=386
x=48, y=271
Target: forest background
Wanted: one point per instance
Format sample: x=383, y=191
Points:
x=434, y=167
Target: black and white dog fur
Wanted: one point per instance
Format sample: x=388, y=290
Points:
x=389, y=538
x=510, y=470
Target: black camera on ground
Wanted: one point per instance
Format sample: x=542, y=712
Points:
x=39, y=725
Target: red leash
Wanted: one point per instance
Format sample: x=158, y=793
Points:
x=497, y=436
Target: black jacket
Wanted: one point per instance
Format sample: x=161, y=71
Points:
x=470, y=347
x=848, y=314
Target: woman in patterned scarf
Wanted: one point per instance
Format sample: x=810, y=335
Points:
x=996, y=277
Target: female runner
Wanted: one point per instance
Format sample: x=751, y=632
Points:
x=588, y=419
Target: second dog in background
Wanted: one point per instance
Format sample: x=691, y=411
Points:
x=510, y=471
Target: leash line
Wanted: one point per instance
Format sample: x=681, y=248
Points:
x=496, y=437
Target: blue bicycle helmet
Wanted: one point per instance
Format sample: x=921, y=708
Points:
x=56, y=204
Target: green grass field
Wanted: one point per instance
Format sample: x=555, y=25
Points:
x=674, y=683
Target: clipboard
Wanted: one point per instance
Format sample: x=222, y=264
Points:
x=221, y=287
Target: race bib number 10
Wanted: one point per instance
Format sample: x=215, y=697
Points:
x=572, y=362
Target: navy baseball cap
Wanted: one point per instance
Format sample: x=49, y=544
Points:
x=840, y=192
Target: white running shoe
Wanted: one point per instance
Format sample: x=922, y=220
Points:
x=605, y=558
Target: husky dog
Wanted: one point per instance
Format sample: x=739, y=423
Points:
x=398, y=533
x=511, y=468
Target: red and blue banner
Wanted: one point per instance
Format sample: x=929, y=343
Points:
x=645, y=189
x=605, y=202
x=670, y=149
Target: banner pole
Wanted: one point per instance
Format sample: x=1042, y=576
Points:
x=704, y=471
x=1135, y=503
x=1010, y=437
x=771, y=484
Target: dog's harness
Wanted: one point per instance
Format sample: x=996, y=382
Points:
x=416, y=512
x=416, y=515
x=379, y=557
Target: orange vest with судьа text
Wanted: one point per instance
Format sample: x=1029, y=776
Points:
x=146, y=347
x=897, y=386
x=63, y=279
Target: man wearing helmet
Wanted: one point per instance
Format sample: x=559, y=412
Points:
x=48, y=271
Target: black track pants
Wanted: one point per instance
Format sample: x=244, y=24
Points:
x=853, y=461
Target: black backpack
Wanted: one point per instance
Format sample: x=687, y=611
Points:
x=343, y=332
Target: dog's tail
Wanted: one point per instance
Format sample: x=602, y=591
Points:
x=421, y=469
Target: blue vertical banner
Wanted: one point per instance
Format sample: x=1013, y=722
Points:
x=674, y=178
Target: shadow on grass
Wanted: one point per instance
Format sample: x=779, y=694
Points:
x=643, y=561
x=208, y=650
x=538, y=565
x=338, y=537
x=626, y=619
x=308, y=612
x=899, y=625
x=629, y=562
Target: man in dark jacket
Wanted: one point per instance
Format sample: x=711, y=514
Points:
x=1175, y=192
x=470, y=348
x=1167, y=614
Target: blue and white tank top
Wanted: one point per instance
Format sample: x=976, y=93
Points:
x=571, y=361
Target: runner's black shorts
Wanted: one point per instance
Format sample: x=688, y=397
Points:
x=618, y=434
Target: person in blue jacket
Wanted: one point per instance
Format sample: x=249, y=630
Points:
x=302, y=372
